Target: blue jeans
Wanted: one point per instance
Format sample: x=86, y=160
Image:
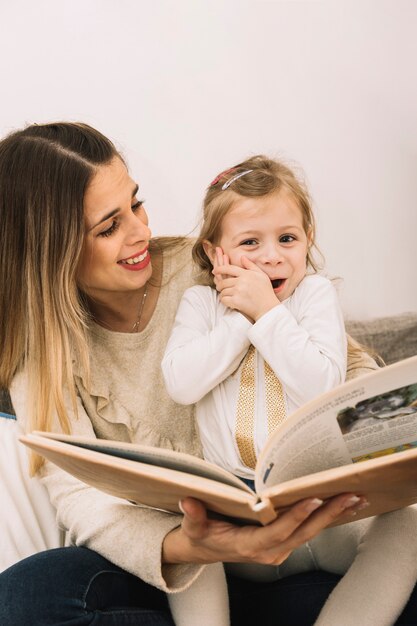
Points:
x=77, y=587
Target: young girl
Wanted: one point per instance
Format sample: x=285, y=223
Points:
x=265, y=337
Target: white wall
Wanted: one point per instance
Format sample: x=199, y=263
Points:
x=189, y=87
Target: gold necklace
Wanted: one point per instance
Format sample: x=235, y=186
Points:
x=135, y=327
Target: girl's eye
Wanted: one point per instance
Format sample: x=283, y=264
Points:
x=287, y=239
x=109, y=231
x=137, y=205
x=249, y=242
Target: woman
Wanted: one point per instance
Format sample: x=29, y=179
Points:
x=87, y=302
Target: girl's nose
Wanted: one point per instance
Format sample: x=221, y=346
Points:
x=272, y=255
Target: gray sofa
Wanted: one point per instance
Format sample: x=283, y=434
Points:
x=393, y=338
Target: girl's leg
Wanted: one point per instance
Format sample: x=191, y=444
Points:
x=79, y=587
x=205, y=603
x=378, y=584
x=293, y=601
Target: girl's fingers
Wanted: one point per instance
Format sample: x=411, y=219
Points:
x=228, y=270
x=249, y=265
x=219, y=256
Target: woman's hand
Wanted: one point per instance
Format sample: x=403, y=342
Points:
x=200, y=539
x=246, y=289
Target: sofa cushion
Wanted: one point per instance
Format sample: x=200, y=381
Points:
x=393, y=338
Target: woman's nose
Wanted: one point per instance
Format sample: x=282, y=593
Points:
x=138, y=231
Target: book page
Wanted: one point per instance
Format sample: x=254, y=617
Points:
x=147, y=484
x=366, y=417
x=160, y=457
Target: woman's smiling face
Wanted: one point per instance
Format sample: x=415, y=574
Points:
x=115, y=256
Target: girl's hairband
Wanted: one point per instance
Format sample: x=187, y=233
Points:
x=231, y=180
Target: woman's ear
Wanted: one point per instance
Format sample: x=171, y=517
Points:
x=210, y=250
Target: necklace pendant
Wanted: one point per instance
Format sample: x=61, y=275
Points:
x=135, y=327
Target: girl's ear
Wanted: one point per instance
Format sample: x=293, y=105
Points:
x=210, y=250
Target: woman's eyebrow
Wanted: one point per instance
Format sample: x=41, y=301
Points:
x=114, y=211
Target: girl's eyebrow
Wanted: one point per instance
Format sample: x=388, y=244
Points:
x=114, y=211
x=254, y=232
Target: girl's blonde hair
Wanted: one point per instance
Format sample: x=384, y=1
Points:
x=44, y=173
x=260, y=176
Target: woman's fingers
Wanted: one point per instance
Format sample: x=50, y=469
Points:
x=210, y=540
x=307, y=519
x=195, y=522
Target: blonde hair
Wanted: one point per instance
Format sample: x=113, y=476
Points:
x=44, y=173
x=264, y=176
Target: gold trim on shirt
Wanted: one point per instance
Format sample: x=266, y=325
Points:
x=245, y=412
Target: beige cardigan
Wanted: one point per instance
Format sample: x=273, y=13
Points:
x=127, y=401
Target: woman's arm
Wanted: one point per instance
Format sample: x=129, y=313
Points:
x=128, y=535
x=206, y=345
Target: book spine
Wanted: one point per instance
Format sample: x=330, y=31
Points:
x=265, y=512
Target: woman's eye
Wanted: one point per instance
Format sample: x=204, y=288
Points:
x=287, y=239
x=137, y=205
x=109, y=231
x=249, y=242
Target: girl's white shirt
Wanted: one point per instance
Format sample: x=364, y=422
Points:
x=302, y=339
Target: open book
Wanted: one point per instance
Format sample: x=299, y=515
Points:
x=360, y=437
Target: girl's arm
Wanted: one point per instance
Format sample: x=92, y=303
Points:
x=206, y=345
x=306, y=348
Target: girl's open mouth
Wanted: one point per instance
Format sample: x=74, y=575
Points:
x=277, y=282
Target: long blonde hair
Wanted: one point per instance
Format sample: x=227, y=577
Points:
x=44, y=173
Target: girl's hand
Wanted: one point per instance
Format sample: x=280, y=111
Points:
x=200, y=539
x=246, y=289
x=220, y=259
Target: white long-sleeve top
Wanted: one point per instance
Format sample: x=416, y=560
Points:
x=302, y=339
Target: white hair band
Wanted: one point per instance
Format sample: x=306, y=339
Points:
x=235, y=177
